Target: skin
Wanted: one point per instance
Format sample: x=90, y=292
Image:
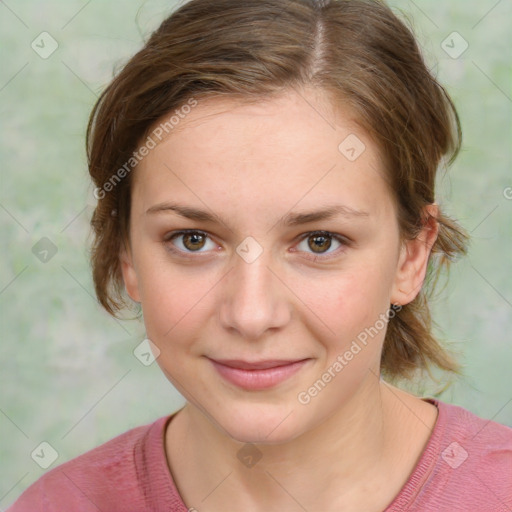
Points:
x=353, y=446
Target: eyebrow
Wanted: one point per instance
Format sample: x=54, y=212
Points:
x=290, y=219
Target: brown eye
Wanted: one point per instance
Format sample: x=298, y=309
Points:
x=319, y=243
x=189, y=242
x=194, y=241
x=322, y=245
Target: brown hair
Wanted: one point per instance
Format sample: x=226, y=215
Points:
x=358, y=51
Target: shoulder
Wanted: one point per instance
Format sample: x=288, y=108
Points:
x=106, y=477
x=474, y=460
x=482, y=436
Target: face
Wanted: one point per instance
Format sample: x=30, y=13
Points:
x=262, y=252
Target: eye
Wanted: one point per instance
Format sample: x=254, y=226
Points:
x=189, y=241
x=319, y=243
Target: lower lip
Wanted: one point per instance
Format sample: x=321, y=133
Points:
x=258, y=379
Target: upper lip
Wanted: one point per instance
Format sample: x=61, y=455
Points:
x=256, y=365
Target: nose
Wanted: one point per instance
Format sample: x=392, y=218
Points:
x=254, y=299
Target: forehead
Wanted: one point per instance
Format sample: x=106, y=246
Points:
x=310, y=109
x=291, y=148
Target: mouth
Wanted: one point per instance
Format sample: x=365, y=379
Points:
x=257, y=375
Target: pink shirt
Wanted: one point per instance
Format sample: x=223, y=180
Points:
x=466, y=466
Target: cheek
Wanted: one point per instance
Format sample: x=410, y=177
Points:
x=350, y=304
x=175, y=302
x=179, y=303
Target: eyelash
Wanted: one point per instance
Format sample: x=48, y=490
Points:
x=344, y=241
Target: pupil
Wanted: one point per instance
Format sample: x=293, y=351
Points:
x=193, y=241
x=321, y=243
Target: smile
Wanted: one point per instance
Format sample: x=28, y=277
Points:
x=257, y=375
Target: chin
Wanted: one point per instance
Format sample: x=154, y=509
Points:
x=259, y=424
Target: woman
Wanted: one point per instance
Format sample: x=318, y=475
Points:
x=265, y=175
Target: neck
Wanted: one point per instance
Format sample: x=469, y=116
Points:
x=338, y=458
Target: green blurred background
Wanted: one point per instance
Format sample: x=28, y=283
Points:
x=68, y=373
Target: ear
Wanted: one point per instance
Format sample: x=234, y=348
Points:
x=413, y=260
x=129, y=273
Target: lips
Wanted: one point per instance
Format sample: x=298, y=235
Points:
x=257, y=375
x=259, y=365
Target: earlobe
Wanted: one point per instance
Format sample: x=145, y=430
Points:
x=413, y=260
x=129, y=274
